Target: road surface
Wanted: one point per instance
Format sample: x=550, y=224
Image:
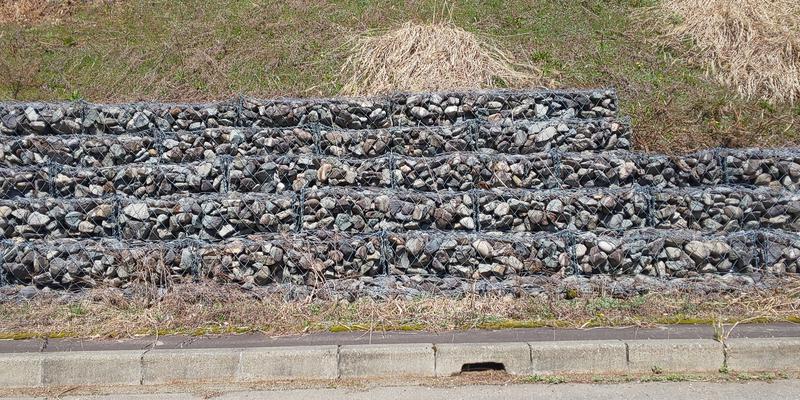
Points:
x=778, y=390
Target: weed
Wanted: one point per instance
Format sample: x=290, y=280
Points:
x=548, y=379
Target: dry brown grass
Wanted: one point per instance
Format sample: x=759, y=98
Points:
x=752, y=46
x=434, y=56
x=30, y=11
x=202, y=309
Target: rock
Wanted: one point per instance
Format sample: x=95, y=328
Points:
x=697, y=250
x=555, y=206
x=607, y=247
x=415, y=246
x=580, y=250
x=420, y=112
x=28, y=292
x=38, y=220
x=86, y=227
x=467, y=222
x=673, y=253
x=546, y=134
x=226, y=230
x=483, y=248
x=137, y=211
x=138, y=122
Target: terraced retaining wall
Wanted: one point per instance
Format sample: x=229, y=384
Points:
x=479, y=187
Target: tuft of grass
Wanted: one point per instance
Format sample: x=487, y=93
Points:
x=547, y=379
x=434, y=56
x=752, y=46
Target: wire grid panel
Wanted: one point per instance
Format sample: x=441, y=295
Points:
x=780, y=251
x=526, y=137
x=40, y=118
x=724, y=209
x=447, y=108
x=352, y=143
x=278, y=174
x=137, y=117
x=702, y=168
x=777, y=169
x=452, y=171
x=476, y=256
x=31, y=182
x=321, y=256
x=207, y=217
x=339, y=113
x=140, y=180
x=532, y=171
x=67, y=263
x=771, y=209
x=57, y=218
x=257, y=260
x=78, y=150
x=5, y=275
x=424, y=141
x=185, y=146
x=556, y=210
x=372, y=210
x=612, y=169
x=665, y=253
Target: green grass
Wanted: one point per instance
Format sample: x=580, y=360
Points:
x=199, y=50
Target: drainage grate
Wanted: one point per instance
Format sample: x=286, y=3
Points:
x=483, y=367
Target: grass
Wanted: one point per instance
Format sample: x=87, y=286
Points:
x=199, y=50
x=422, y=58
x=752, y=46
x=194, y=309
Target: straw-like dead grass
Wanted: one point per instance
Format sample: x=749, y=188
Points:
x=430, y=57
x=753, y=46
x=211, y=308
x=31, y=11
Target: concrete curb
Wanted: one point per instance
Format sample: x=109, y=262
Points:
x=150, y=367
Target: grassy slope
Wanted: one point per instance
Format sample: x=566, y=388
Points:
x=194, y=50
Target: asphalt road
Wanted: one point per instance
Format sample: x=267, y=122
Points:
x=779, y=390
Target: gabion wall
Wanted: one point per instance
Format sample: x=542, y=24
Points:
x=465, y=186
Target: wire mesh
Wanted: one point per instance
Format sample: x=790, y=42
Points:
x=780, y=251
x=452, y=107
x=40, y=118
x=276, y=174
x=56, y=218
x=78, y=150
x=476, y=256
x=350, y=143
x=372, y=210
x=186, y=146
x=777, y=169
x=526, y=137
x=668, y=253
x=697, y=169
x=724, y=209
x=257, y=260
x=339, y=113
x=68, y=263
x=137, y=117
x=430, y=141
x=452, y=171
x=32, y=182
x=556, y=210
x=207, y=217
x=140, y=180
